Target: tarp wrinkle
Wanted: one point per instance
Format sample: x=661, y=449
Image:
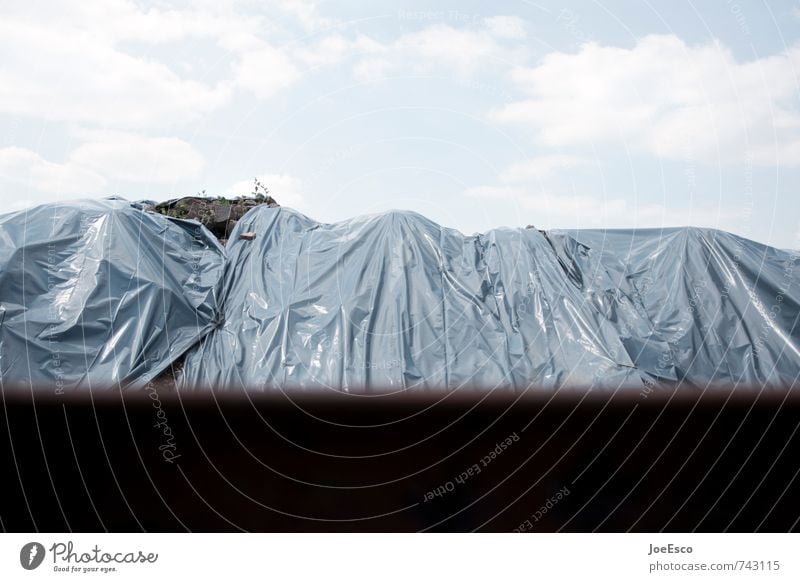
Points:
x=100, y=294
x=103, y=293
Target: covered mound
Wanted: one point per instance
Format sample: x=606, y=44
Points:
x=397, y=302
x=700, y=306
x=101, y=294
x=104, y=294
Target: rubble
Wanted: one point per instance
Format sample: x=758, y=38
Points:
x=217, y=214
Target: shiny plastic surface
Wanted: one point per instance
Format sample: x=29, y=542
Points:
x=700, y=306
x=397, y=302
x=104, y=294
x=100, y=294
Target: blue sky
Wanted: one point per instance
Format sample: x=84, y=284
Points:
x=477, y=115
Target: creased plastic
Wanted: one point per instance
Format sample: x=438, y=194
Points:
x=700, y=306
x=397, y=302
x=100, y=294
x=103, y=294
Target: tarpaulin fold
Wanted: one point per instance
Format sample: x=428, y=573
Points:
x=396, y=302
x=104, y=293
x=100, y=294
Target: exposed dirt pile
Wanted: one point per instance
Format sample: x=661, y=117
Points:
x=219, y=215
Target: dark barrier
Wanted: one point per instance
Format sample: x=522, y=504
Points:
x=576, y=463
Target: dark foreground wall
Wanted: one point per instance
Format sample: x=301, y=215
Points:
x=643, y=463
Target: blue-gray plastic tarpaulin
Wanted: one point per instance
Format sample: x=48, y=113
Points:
x=101, y=294
x=396, y=302
x=104, y=294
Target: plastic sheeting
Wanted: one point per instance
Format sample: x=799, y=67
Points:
x=101, y=294
x=397, y=302
x=699, y=306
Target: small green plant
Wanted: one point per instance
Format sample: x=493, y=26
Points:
x=260, y=192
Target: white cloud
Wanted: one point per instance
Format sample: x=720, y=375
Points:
x=335, y=48
x=287, y=190
x=84, y=63
x=511, y=27
x=121, y=64
x=442, y=45
x=73, y=75
x=25, y=167
x=115, y=21
x=265, y=71
x=461, y=51
x=136, y=158
x=666, y=98
x=306, y=12
x=371, y=69
x=86, y=171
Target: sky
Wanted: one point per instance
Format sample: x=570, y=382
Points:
x=475, y=114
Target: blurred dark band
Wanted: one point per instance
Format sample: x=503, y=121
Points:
x=688, y=460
